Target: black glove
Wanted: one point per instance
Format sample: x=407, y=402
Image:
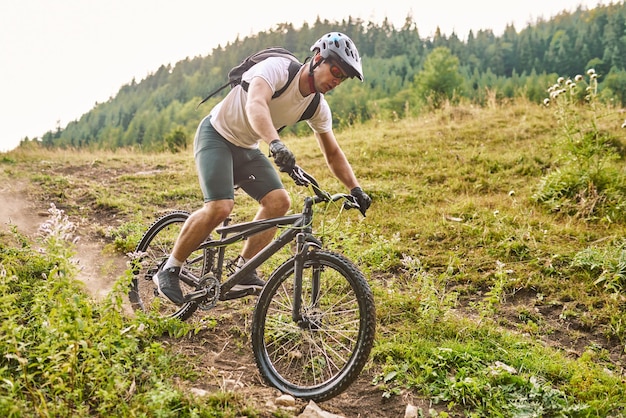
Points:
x=284, y=159
x=362, y=199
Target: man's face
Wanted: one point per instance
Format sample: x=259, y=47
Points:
x=328, y=76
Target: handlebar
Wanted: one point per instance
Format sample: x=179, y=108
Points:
x=302, y=178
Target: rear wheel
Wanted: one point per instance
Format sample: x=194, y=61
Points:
x=152, y=252
x=319, y=356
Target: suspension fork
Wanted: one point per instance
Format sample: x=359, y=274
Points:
x=302, y=249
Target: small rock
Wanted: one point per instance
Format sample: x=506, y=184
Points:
x=411, y=411
x=285, y=400
x=505, y=367
x=314, y=411
x=231, y=385
x=199, y=392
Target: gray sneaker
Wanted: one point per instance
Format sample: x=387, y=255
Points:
x=251, y=285
x=168, y=283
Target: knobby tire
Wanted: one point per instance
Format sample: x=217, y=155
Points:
x=320, y=357
x=154, y=249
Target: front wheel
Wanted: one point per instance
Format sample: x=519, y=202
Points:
x=322, y=353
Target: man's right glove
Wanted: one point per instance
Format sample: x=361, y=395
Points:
x=284, y=159
x=362, y=199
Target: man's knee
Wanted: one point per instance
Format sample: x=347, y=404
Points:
x=277, y=202
x=216, y=211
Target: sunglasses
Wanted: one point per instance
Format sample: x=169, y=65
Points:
x=336, y=72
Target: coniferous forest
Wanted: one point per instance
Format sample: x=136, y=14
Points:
x=405, y=74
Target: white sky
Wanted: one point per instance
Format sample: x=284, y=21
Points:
x=59, y=57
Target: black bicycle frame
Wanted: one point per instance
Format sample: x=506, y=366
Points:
x=229, y=234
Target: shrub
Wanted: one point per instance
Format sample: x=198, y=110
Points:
x=586, y=183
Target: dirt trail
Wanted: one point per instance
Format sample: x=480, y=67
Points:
x=97, y=270
x=16, y=210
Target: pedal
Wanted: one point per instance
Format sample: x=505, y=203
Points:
x=196, y=295
x=239, y=294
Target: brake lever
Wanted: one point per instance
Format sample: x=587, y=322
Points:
x=302, y=178
x=350, y=202
x=298, y=176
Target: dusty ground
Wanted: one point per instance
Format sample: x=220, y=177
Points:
x=97, y=270
x=224, y=356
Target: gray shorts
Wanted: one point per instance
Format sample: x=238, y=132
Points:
x=222, y=165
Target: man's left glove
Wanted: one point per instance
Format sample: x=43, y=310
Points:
x=284, y=159
x=362, y=199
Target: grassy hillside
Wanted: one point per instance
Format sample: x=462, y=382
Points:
x=495, y=246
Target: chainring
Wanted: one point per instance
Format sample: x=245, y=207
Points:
x=212, y=287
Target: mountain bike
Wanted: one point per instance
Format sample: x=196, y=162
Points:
x=314, y=321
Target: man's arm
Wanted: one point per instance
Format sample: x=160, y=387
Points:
x=341, y=168
x=258, y=110
x=260, y=118
x=336, y=159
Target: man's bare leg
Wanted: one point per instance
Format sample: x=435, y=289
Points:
x=275, y=203
x=199, y=225
x=196, y=229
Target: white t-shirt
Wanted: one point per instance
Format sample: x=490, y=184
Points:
x=229, y=116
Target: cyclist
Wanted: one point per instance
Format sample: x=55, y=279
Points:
x=226, y=151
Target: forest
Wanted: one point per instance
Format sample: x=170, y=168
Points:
x=405, y=75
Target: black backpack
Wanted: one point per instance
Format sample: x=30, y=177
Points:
x=234, y=76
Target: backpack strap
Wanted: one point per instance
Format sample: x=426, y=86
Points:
x=213, y=93
x=311, y=108
x=294, y=67
x=309, y=111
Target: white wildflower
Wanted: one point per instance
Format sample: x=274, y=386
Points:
x=58, y=225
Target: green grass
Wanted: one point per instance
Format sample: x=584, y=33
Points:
x=476, y=278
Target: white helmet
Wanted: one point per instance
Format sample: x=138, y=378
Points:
x=339, y=47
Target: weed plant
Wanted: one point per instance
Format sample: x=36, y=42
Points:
x=586, y=182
